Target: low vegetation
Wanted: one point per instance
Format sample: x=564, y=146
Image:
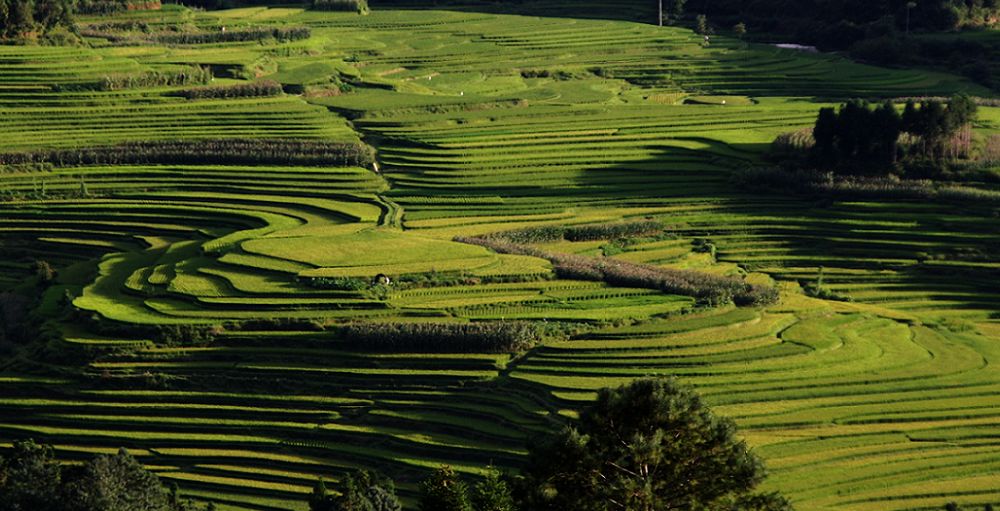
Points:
x=230, y=151
x=492, y=337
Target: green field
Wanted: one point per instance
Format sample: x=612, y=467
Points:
x=483, y=123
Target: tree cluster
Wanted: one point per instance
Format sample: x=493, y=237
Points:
x=672, y=10
x=282, y=34
x=363, y=490
x=31, y=479
x=191, y=75
x=651, y=445
x=858, y=139
x=359, y=6
x=849, y=20
x=592, y=232
x=261, y=88
x=27, y=19
x=647, y=446
x=880, y=31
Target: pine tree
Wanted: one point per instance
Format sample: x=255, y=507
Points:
x=492, y=493
x=444, y=491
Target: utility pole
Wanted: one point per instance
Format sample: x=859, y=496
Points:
x=659, y=14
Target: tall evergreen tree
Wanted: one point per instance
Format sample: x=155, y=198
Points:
x=444, y=491
x=492, y=493
x=29, y=478
x=116, y=483
x=645, y=446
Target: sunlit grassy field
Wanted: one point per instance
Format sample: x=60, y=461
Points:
x=483, y=123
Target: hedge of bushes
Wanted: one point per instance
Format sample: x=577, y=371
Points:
x=828, y=184
x=114, y=6
x=263, y=88
x=220, y=151
x=492, y=337
x=236, y=36
x=593, y=232
x=194, y=75
x=707, y=288
x=360, y=6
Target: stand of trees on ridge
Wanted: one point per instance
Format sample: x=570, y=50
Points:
x=885, y=32
x=650, y=445
x=859, y=139
x=31, y=479
x=22, y=20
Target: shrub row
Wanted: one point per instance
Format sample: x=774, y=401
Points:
x=418, y=281
x=114, y=6
x=195, y=75
x=360, y=6
x=263, y=88
x=493, y=337
x=221, y=151
x=856, y=187
x=118, y=26
x=236, y=36
x=707, y=288
x=580, y=233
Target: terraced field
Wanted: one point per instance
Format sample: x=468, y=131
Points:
x=483, y=123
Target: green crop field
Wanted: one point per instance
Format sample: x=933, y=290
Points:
x=483, y=122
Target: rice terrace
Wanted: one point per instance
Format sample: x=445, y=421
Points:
x=263, y=247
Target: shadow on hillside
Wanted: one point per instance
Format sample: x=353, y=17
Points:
x=627, y=10
x=873, y=242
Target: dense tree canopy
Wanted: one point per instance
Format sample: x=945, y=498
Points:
x=649, y=445
x=21, y=19
x=31, y=480
x=857, y=139
x=361, y=491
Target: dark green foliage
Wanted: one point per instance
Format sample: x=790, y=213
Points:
x=194, y=75
x=878, y=31
x=29, y=478
x=360, y=6
x=339, y=283
x=321, y=499
x=858, y=139
x=648, y=445
x=593, y=232
x=486, y=337
x=27, y=19
x=32, y=480
x=362, y=491
x=838, y=25
x=233, y=151
x=114, y=6
x=116, y=483
x=14, y=309
x=444, y=491
x=263, y=88
x=236, y=36
x=185, y=335
x=492, y=493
